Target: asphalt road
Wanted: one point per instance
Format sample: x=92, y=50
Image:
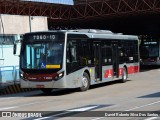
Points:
x=139, y=98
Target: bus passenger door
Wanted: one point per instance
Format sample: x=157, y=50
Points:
x=115, y=59
x=97, y=61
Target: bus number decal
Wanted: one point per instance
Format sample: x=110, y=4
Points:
x=43, y=37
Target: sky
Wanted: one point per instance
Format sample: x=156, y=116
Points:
x=67, y=2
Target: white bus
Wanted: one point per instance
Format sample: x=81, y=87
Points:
x=76, y=58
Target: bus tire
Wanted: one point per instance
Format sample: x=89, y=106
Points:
x=46, y=90
x=85, y=82
x=124, y=75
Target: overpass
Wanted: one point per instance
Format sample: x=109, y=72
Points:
x=128, y=16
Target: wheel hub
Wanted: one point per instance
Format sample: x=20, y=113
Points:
x=85, y=81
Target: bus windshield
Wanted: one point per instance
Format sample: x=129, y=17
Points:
x=42, y=55
x=150, y=51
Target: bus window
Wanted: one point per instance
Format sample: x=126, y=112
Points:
x=85, y=53
x=72, y=56
x=71, y=53
x=107, y=55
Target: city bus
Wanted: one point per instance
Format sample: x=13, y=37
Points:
x=76, y=58
x=150, y=51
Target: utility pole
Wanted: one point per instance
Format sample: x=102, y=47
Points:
x=2, y=34
x=30, y=23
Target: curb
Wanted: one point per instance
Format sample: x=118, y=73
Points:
x=11, y=89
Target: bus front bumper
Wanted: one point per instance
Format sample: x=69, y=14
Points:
x=49, y=84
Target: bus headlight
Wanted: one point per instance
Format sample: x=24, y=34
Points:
x=21, y=75
x=59, y=76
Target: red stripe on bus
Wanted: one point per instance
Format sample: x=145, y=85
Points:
x=133, y=69
x=120, y=71
x=108, y=73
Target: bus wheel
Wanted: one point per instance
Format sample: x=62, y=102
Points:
x=124, y=75
x=46, y=90
x=85, y=82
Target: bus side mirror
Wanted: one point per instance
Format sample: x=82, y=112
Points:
x=16, y=48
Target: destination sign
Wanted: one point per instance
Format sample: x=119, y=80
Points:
x=30, y=37
x=40, y=37
x=148, y=43
x=44, y=37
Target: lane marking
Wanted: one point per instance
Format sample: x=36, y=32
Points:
x=152, y=118
x=143, y=106
x=77, y=109
x=6, y=108
x=12, y=107
x=98, y=118
x=42, y=118
x=80, y=109
x=83, y=109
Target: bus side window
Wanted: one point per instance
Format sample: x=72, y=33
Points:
x=69, y=60
x=71, y=56
x=74, y=54
x=71, y=53
x=85, y=53
x=121, y=51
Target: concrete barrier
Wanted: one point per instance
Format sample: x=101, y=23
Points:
x=9, y=80
x=12, y=89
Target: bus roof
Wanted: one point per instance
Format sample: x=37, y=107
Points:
x=93, y=33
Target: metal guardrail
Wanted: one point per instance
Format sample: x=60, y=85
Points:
x=10, y=81
x=9, y=75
